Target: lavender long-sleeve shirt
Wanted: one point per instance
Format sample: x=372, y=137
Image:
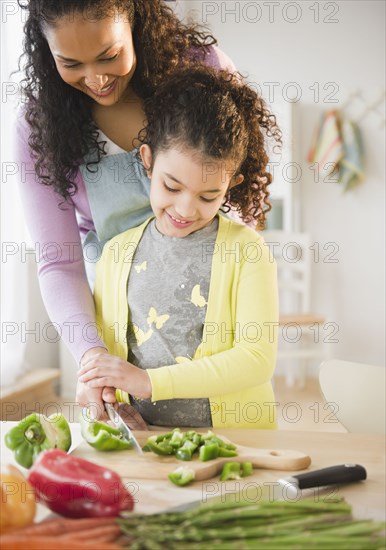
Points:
x=57, y=235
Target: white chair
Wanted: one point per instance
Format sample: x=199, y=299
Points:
x=301, y=331
x=358, y=390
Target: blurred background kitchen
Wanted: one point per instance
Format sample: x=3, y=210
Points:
x=321, y=66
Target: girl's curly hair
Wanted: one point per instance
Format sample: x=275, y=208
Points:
x=219, y=116
x=62, y=129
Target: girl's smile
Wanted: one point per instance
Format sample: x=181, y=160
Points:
x=187, y=190
x=183, y=224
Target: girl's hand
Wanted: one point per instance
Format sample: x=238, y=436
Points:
x=131, y=417
x=103, y=369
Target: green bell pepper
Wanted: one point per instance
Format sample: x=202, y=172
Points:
x=223, y=451
x=176, y=440
x=231, y=470
x=37, y=433
x=186, y=451
x=163, y=437
x=209, y=451
x=246, y=469
x=182, y=476
x=162, y=448
x=102, y=436
x=236, y=470
x=185, y=445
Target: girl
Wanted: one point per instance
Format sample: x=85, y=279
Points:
x=89, y=66
x=188, y=299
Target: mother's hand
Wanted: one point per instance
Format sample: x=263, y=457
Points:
x=103, y=369
x=92, y=398
x=86, y=395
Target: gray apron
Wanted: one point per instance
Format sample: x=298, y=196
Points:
x=118, y=191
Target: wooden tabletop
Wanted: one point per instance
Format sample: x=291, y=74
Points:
x=325, y=449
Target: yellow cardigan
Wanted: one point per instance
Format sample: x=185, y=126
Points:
x=234, y=363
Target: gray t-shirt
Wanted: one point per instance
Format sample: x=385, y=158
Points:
x=167, y=293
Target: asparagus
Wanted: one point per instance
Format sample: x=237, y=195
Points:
x=304, y=524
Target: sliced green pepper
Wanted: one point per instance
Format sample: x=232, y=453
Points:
x=185, y=444
x=37, y=433
x=161, y=448
x=197, y=439
x=209, y=451
x=209, y=434
x=231, y=470
x=162, y=437
x=102, y=436
x=236, y=470
x=246, y=469
x=186, y=451
x=223, y=451
x=182, y=476
x=215, y=439
x=176, y=439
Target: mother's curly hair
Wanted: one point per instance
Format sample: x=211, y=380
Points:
x=62, y=129
x=219, y=116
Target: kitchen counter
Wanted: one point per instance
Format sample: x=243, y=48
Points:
x=325, y=449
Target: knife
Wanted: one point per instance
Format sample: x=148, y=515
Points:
x=333, y=475
x=289, y=488
x=117, y=420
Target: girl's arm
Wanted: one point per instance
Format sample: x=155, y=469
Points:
x=250, y=362
x=55, y=237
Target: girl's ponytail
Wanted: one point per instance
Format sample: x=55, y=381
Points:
x=260, y=124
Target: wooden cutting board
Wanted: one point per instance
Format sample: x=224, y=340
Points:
x=130, y=464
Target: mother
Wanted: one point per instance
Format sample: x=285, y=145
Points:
x=89, y=66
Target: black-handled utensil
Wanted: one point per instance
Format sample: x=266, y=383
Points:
x=343, y=473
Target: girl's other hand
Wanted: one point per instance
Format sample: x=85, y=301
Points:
x=131, y=417
x=108, y=395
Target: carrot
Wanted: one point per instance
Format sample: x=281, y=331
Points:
x=59, y=526
x=20, y=542
x=106, y=533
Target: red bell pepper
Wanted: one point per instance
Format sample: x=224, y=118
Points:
x=78, y=488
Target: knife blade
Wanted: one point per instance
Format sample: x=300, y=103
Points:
x=289, y=488
x=117, y=420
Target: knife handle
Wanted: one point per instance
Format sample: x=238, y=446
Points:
x=344, y=473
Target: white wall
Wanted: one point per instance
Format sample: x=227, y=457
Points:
x=27, y=339
x=348, y=54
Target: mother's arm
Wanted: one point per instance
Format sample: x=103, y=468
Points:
x=218, y=59
x=54, y=234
